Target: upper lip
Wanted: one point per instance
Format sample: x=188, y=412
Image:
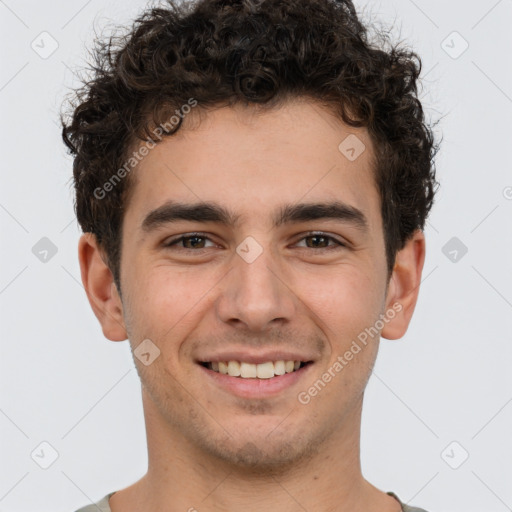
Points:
x=255, y=357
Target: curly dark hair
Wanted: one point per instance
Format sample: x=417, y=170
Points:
x=259, y=53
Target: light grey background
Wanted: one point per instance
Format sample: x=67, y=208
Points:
x=448, y=380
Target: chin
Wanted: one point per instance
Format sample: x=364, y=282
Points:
x=263, y=453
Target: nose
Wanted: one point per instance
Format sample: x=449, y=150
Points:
x=255, y=294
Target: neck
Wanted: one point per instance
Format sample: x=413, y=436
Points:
x=182, y=477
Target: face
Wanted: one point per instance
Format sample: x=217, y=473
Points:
x=285, y=263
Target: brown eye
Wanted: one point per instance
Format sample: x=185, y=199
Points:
x=193, y=242
x=190, y=242
x=318, y=240
x=322, y=241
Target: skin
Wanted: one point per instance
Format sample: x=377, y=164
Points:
x=209, y=449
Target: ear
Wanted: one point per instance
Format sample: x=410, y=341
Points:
x=100, y=288
x=404, y=286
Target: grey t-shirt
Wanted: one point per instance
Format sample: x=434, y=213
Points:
x=103, y=505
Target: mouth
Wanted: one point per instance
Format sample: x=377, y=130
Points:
x=256, y=380
x=243, y=370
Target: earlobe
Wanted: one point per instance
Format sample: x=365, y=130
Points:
x=100, y=288
x=404, y=285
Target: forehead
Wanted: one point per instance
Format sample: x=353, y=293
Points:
x=255, y=161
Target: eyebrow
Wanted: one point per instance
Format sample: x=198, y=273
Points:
x=173, y=211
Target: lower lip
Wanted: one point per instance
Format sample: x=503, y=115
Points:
x=257, y=388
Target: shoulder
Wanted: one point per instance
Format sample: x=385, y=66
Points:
x=99, y=506
x=407, y=508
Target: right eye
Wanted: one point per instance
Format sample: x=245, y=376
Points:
x=193, y=239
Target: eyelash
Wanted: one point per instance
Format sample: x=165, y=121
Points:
x=338, y=243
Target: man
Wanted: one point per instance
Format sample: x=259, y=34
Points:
x=252, y=179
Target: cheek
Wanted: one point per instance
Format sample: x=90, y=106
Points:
x=165, y=303
x=345, y=298
x=343, y=303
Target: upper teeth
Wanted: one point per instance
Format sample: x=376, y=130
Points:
x=248, y=370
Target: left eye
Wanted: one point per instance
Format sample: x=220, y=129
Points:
x=323, y=239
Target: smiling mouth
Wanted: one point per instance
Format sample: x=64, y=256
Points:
x=266, y=370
